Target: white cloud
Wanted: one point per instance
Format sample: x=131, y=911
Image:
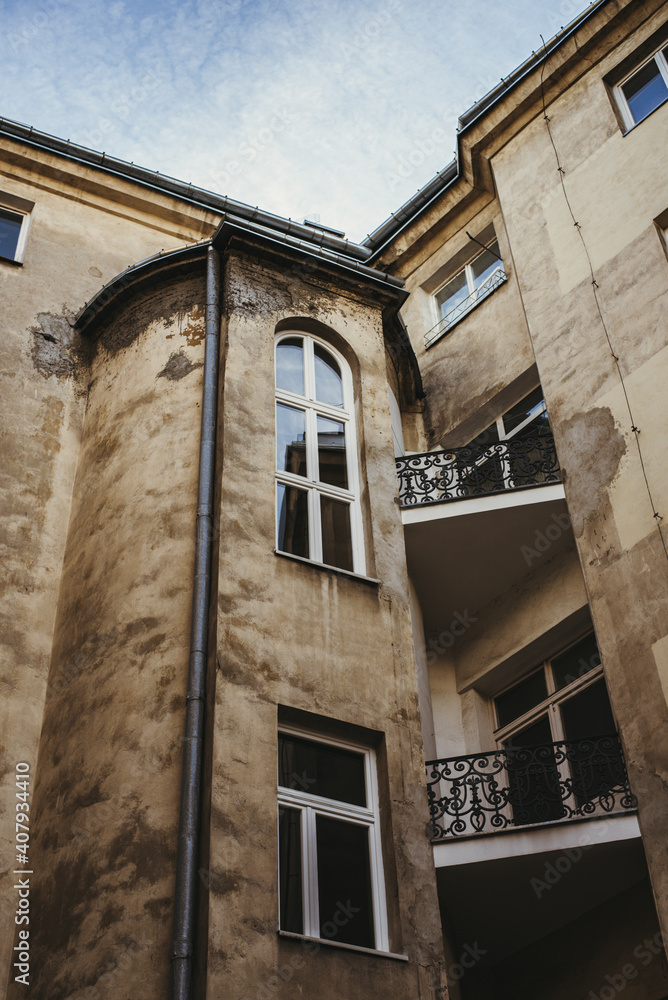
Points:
x=300, y=106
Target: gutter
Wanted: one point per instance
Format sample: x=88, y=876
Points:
x=185, y=897
x=426, y=196
x=230, y=225
x=154, y=181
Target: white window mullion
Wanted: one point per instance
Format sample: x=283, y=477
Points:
x=468, y=271
x=663, y=66
x=314, y=533
x=310, y=868
x=555, y=724
x=376, y=858
x=314, y=525
x=309, y=369
x=311, y=424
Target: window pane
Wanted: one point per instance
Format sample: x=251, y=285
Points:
x=321, y=769
x=452, y=293
x=290, y=439
x=332, y=453
x=520, y=698
x=596, y=765
x=481, y=441
x=292, y=517
x=337, y=543
x=588, y=714
x=533, y=776
x=290, y=365
x=520, y=412
x=484, y=265
x=10, y=227
x=328, y=381
x=344, y=882
x=575, y=662
x=645, y=91
x=290, y=870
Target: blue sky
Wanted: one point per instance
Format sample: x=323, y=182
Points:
x=340, y=109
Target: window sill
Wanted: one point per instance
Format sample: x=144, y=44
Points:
x=330, y=569
x=343, y=945
x=11, y=260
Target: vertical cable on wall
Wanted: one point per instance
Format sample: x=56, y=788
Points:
x=594, y=285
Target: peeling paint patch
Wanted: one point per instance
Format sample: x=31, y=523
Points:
x=590, y=450
x=55, y=346
x=195, y=331
x=178, y=366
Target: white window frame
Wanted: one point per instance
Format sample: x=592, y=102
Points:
x=15, y=206
x=550, y=705
x=313, y=487
x=505, y=436
x=477, y=294
x=310, y=806
x=659, y=58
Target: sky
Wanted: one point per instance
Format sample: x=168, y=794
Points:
x=336, y=110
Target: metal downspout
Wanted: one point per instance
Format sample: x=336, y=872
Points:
x=185, y=897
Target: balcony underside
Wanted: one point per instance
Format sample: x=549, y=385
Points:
x=528, y=905
x=462, y=555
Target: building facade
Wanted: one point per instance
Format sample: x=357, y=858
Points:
x=287, y=517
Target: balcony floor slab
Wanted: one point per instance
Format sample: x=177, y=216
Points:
x=536, y=840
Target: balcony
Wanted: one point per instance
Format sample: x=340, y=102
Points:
x=523, y=787
x=462, y=473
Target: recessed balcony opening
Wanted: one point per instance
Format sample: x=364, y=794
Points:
x=570, y=922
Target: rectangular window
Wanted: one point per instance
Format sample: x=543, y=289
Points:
x=645, y=89
x=15, y=215
x=556, y=725
x=461, y=293
x=330, y=868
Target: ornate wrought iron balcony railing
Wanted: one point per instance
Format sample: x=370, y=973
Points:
x=553, y=783
x=460, y=473
x=485, y=288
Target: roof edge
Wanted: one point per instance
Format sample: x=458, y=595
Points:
x=190, y=193
x=433, y=189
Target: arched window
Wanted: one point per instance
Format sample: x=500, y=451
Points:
x=317, y=492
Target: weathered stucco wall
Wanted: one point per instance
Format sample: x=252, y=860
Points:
x=616, y=189
x=471, y=371
x=106, y=797
x=86, y=227
x=302, y=637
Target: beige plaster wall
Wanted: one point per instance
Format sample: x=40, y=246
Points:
x=299, y=636
x=85, y=229
x=106, y=797
x=616, y=186
x=470, y=374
